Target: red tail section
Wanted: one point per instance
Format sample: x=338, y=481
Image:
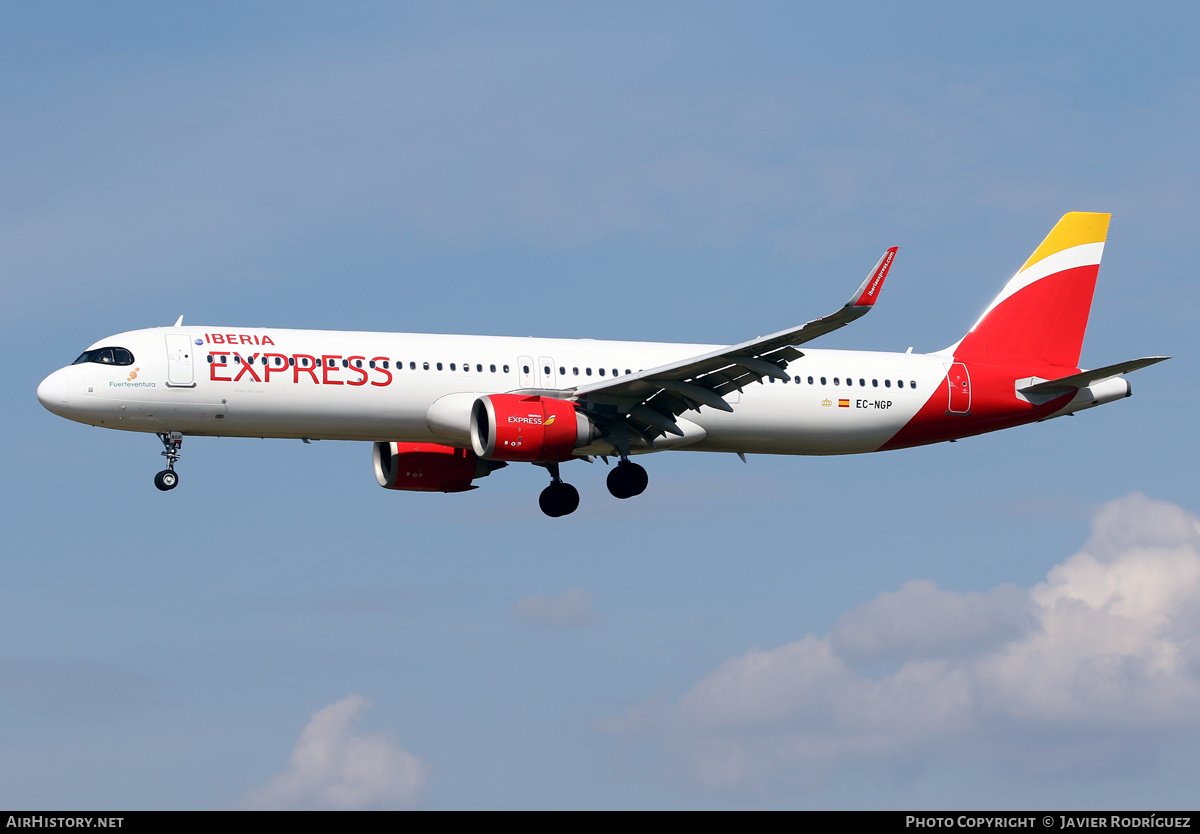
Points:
x=1033, y=329
x=1041, y=315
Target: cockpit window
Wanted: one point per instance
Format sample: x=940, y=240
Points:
x=106, y=356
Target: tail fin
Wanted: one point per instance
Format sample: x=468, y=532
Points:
x=1042, y=313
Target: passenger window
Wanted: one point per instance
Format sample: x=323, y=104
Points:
x=912, y=383
x=525, y=369
x=601, y=372
x=615, y=372
x=425, y=365
x=506, y=369
x=822, y=380
x=835, y=381
x=492, y=368
x=439, y=366
x=575, y=371
x=546, y=370
x=874, y=383
x=589, y=371
x=628, y=372
x=291, y=361
x=479, y=369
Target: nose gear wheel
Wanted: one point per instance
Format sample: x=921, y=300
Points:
x=172, y=442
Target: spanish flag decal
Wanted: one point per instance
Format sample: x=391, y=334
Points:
x=843, y=403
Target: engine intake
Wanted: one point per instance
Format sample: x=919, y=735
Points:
x=527, y=428
x=428, y=467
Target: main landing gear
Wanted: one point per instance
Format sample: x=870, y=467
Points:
x=172, y=442
x=627, y=479
x=559, y=498
x=624, y=481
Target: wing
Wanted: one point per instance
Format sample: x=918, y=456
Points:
x=646, y=404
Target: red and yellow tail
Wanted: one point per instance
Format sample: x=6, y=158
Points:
x=1041, y=315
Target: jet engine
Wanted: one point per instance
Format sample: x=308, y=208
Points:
x=429, y=467
x=528, y=428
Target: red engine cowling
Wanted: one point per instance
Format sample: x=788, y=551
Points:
x=529, y=428
x=428, y=467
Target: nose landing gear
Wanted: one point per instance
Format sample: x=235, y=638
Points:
x=172, y=442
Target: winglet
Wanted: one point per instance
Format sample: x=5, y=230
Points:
x=868, y=293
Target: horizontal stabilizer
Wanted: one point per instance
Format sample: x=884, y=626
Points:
x=1085, y=378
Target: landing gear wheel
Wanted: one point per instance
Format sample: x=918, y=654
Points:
x=172, y=442
x=627, y=480
x=559, y=499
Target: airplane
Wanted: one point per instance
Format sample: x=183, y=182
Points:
x=443, y=411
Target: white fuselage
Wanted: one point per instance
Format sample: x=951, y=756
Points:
x=388, y=386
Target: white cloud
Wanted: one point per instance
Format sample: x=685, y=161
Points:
x=335, y=767
x=574, y=608
x=1093, y=670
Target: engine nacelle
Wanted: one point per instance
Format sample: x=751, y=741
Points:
x=528, y=428
x=428, y=467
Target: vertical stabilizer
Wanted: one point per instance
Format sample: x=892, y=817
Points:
x=1042, y=313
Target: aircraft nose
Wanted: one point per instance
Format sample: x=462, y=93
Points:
x=52, y=393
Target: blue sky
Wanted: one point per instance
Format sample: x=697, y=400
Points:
x=888, y=631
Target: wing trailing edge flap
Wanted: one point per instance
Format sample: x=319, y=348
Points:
x=649, y=400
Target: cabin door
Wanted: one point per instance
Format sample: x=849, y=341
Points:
x=960, y=388
x=180, y=368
